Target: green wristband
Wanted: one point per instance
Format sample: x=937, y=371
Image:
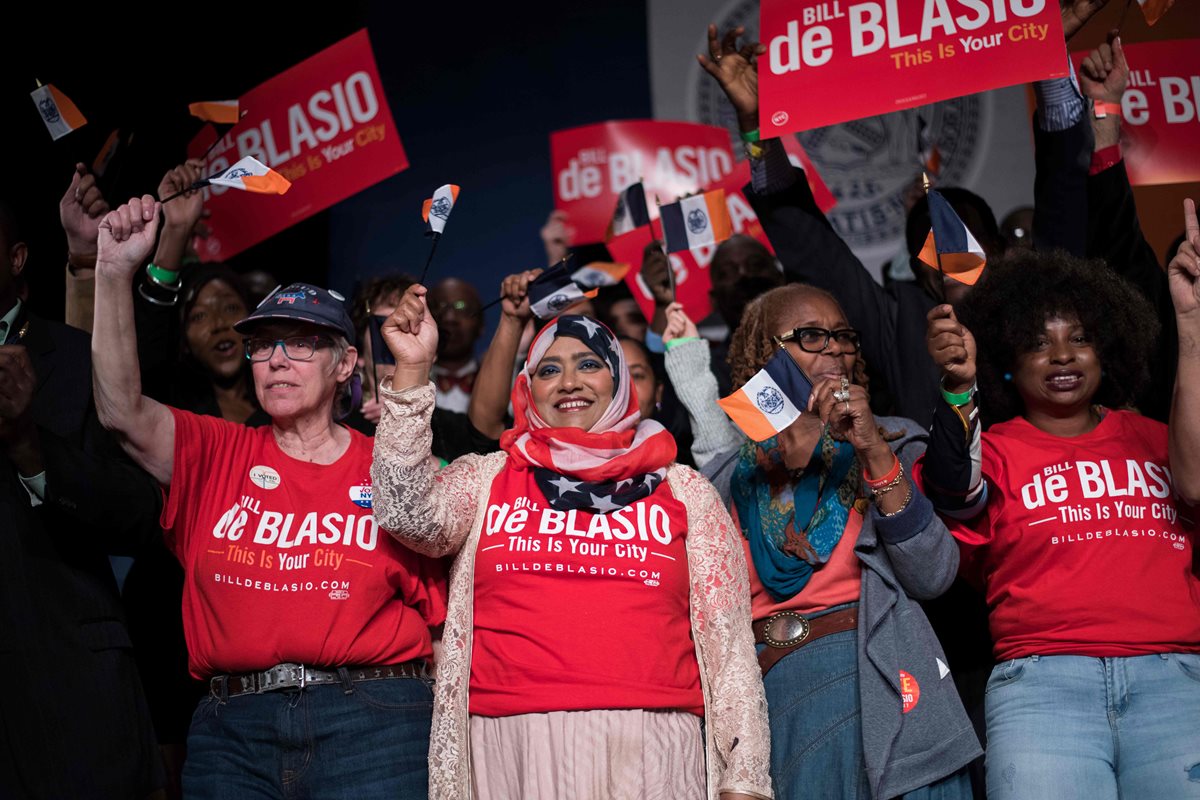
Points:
x=750, y=136
x=162, y=276
x=671, y=345
x=960, y=399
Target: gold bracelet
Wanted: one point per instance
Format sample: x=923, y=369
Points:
x=903, y=505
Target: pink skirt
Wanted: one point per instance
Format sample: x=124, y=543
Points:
x=588, y=755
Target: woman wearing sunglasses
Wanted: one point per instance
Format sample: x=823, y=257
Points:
x=841, y=545
x=309, y=623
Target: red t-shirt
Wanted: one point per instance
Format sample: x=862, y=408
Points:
x=1083, y=549
x=284, y=560
x=575, y=611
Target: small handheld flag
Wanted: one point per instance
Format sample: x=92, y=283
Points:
x=222, y=112
x=950, y=248
x=1154, y=9
x=251, y=175
x=631, y=211
x=600, y=273
x=770, y=401
x=554, y=291
x=436, y=210
x=58, y=112
x=696, y=221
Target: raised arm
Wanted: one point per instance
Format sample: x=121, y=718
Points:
x=429, y=511
x=952, y=474
x=145, y=427
x=1184, y=274
x=80, y=211
x=689, y=368
x=488, y=408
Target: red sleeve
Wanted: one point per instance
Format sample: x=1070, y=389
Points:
x=199, y=441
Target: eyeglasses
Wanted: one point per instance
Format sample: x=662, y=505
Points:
x=815, y=340
x=297, y=348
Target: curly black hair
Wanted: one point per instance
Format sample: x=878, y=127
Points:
x=1008, y=309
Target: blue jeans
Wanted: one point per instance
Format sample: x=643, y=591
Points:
x=320, y=743
x=1095, y=728
x=816, y=727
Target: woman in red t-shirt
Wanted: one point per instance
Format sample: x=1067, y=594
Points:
x=1068, y=515
x=310, y=626
x=599, y=604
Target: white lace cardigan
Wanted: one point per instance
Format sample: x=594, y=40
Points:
x=440, y=513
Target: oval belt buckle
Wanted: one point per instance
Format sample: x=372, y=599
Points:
x=793, y=627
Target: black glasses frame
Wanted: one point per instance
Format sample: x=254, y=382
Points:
x=849, y=338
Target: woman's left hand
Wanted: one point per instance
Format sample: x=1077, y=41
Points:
x=850, y=419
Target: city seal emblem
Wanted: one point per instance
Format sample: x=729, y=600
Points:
x=769, y=400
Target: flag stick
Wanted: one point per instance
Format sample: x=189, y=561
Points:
x=936, y=253
x=200, y=184
x=437, y=237
x=1124, y=11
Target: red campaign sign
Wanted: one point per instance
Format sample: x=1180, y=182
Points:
x=594, y=163
x=324, y=125
x=692, y=282
x=1160, y=111
x=831, y=61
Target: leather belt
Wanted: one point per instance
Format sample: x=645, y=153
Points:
x=299, y=676
x=787, y=631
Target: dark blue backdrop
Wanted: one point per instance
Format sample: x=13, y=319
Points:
x=475, y=93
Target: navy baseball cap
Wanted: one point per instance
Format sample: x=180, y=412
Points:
x=302, y=302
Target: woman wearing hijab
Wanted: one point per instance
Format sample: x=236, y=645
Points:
x=598, y=601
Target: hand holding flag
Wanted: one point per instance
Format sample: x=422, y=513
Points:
x=249, y=175
x=555, y=290
x=770, y=401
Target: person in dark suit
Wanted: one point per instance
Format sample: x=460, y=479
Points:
x=73, y=720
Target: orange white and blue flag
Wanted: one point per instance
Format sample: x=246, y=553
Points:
x=58, y=112
x=600, y=273
x=251, y=175
x=1153, y=10
x=770, y=401
x=631, y=211
x=950, y=248
x=436, y=210
x=696, y=221
x=222, y=112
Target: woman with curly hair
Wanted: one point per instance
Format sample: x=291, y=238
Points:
x=841, y=546
x=1068, y=514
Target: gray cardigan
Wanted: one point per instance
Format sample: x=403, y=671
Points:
x=908, y=557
